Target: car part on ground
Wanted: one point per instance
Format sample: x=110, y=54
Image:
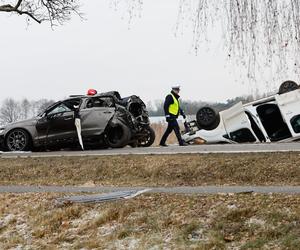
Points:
x=99, y=198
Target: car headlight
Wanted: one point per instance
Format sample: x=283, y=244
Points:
x=2, y=130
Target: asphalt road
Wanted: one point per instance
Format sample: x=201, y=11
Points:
x=193, y=149
x=170, y=190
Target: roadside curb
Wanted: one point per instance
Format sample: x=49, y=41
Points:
x=186, y=190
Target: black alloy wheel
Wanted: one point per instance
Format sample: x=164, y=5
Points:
x=287, y=86
x=148, y=139
x=18, y=140
x=207, y=118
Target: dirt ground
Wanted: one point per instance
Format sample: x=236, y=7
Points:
x=34, y=221
x=155, y=170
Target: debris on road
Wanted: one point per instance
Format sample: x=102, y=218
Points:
x=98, y=198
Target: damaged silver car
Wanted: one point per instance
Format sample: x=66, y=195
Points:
x=107, y=120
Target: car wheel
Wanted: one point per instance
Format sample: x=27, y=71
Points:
x=18, y=140
x=207, y=118
x=287, y=86
x=148, y=139
x=118, y=136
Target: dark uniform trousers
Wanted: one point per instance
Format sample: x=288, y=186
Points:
x=172, y=125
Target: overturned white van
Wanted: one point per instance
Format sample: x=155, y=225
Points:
x=272, y=119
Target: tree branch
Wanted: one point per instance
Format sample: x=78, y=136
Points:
x=54, y=11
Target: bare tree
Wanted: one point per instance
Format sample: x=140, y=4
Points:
x=54, y=11
x=12, y=110
x=41, y=105
x=255, y=32
x=9, y=111
x=25, y=109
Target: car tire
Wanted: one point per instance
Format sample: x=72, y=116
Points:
x=149, y=138
x=18, y=140
x=287, y=86
x=207, y=118
x=118, y=136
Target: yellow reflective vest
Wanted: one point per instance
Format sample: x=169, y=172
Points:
x=174, y=107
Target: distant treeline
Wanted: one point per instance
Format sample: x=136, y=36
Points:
x=12, y=110
x=191, y=107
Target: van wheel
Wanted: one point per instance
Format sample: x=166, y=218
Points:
x=148, y=139
x=287, y=86
x=18, y=140
x=118, y=136
x=207, y=118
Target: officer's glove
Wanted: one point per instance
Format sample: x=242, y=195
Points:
x=184, y=116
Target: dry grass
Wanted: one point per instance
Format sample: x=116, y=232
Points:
x=159, y=170
x=152, y=221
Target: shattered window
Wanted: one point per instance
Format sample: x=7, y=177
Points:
x=72, y=102
x=100, y=102
x=59, y=109
x=242, y=135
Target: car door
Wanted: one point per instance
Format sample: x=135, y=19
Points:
x=96, y=114
x=289, y=105
x=237, y=124
x=42, y=129
x=42, y=125
x=61, y=124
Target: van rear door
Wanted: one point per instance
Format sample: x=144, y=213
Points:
x=237, y=124
x=289, y=105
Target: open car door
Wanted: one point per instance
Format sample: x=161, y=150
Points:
x=237, y=124
x=289, y=105
x=96, y=114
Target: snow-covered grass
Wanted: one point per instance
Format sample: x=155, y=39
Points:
x=245, y=221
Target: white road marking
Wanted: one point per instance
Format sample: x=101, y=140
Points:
x=208, y=190
x=195, y=149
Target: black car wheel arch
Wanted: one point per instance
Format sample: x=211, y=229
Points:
x=18, y=140
x=117, y=135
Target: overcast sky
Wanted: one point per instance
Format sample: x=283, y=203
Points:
x=105, y=53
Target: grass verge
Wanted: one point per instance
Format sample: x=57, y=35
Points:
x=155, y=170
x=152, y=221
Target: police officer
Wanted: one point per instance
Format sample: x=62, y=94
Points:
x=172, y=110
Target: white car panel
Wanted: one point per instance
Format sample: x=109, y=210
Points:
x=210, y=136
x=235, y=118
